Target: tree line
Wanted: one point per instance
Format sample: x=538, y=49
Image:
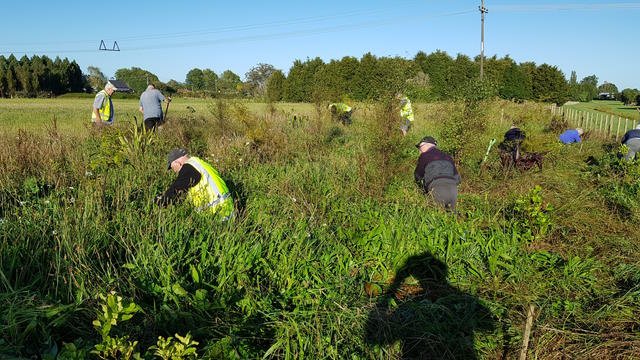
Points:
x=426, y=77
x=39, y=76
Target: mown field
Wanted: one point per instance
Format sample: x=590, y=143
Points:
x=334, y=253
x=609, y=107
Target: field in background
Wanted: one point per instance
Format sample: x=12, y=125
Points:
x=610, y=107
x=74, y=115
x=334, y=253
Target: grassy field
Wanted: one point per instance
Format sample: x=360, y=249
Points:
x=609, y=107
x=334, y=252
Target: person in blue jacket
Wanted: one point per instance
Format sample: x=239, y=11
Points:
x=571, y=136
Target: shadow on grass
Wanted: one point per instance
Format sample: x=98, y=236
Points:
x=430, y=318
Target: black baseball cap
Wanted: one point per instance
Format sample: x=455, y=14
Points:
x=175, y=154
x=427, y=139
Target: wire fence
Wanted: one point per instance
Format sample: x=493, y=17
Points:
x=601, y=125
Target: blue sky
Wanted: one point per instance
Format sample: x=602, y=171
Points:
x=170, y=38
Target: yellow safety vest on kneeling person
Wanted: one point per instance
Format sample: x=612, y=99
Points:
x=210, y=193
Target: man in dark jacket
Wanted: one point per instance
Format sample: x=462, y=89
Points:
x=632, y=140
x=437, y=173
x=512, y=142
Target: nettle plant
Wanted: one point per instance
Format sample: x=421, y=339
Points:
x=531, y=215
x=115, y=311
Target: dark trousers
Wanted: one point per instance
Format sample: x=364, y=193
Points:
x=444, y=192
x=150, y=124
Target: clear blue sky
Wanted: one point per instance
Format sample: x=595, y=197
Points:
x=170, y=38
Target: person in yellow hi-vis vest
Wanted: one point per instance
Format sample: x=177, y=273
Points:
x=202, y=184
x=341, y=112
x=406, y=113
x=102, y=111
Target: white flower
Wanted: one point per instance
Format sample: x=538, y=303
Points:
x=47, y=202
x=22, y=203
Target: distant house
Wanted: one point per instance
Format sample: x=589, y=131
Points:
x=606, y=96
x=121, y=86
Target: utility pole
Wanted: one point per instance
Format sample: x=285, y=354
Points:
x=483, y=10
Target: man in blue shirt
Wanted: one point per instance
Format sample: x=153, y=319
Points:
x=571, y=136
x=151, y=107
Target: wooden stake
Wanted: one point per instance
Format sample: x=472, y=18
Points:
x=527, y=333
x=626, y=123
x=618, y=129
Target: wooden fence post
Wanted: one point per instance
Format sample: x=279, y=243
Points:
x=618, y=129
x=626, y=123
x=600, y=125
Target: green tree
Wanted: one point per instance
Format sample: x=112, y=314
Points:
x=437, y=66
x=628, y=96
x=574, y=87
x=195, y=79
x=172, y=86
x=608, y=88
x=256, y=79
x=77, y=81
x=550, y=85
x=209, y=81
x=275, y=86
x=96, y=78
x=23, y=73
x=12, y=81
x=299, y=84
x=462, y=70
x=138, y=79
x=514, y=84
x=3, y=76
x=588, y=88
x=229, y=83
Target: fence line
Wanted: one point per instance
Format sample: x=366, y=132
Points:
x=601, y=125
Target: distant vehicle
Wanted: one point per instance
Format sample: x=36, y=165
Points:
x=606, y=96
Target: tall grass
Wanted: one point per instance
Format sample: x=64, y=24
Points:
x=319, y=262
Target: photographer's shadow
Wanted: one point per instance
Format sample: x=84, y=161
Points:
x=430, y=318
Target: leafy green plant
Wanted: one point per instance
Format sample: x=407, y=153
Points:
x=114, y=311
x=178, y=348
x=531, y=214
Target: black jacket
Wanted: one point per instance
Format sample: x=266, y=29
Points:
x=435, y=164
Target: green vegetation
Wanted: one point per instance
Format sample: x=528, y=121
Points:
x=334, y=253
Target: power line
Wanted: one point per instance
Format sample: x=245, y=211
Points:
x=249, y=38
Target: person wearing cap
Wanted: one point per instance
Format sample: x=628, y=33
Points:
x=437, y=173
x=151, y=107
x=571, y=136
x=341, y=112
x=102, y=112
x=202, y=184
x=406, y=113
x=631, y=140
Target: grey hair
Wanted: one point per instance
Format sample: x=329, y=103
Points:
x=109, y=86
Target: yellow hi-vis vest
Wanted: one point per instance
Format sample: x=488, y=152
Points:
x=341, y=107
x=406, y=112
x=105, y=109
x=210, y=193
